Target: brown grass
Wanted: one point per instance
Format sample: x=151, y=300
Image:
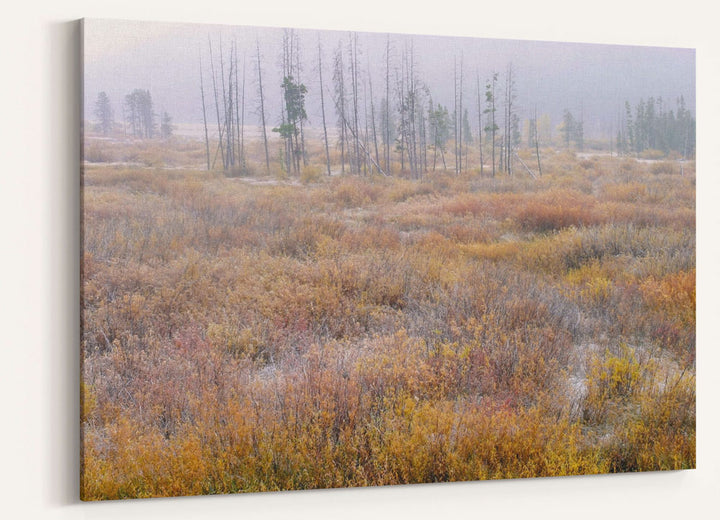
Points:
x=249, y=335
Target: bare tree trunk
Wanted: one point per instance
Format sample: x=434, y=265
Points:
x=414, y=133
x=530, y=172
x=217, y=106
x=508, y=122
x=460, y=116
x=501, y=165
x=423, y=142
x=479, y=109
x=455, y=117
x=403, y=123
x=354, y=82
x=227, y=103
x=509, y=99
x=537, y=145
x=434, y=157
x=367, y=153
x=366, y=135
x=410, y=110
x=322, y=106
x=435, y=130
x=237, y=109
x=286, y=75
x=506, y=128
x=387, y=104
x=298, y=70
x=202, y=96
x=242, y=118
x=494, y=79
x=262, y=107
x=339, y=79
x=372, y=116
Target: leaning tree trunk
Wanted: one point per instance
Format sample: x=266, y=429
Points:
x=262, y=108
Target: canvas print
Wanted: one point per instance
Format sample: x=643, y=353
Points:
x=317, y=259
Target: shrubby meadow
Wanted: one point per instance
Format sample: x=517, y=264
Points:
x=274, y=331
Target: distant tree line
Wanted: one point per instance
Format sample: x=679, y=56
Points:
x=138, y=116
x=572, y=130
x=651, y=126
x=401, y=129
x=228, y=94
x=104, y=114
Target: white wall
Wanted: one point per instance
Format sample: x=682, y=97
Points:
x=39, y=282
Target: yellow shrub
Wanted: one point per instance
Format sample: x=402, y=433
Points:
x=612, y=380
x=493, y=251
x=246, y=335
x=310, y=174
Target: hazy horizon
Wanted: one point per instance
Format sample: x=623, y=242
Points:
x=593, y=81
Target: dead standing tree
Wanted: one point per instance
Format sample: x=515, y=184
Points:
x=228, y=111
x=322, y=106
x=412, y=127
x=479, y=114
x=261, y=106
x=490, y=110
x=402, y=113
x=354, y=85
x=458, y=116
x=340, y=103
x=387, y=105
x=372, y=116
x=347, y=125
x=229, y=108
x=205, y=125
x=240, y=114
x=217, y=108
x=537, y=144
x=298, y=74
x=412, y=95
x=510, y=123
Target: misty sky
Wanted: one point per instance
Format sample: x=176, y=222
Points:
x=596, y=80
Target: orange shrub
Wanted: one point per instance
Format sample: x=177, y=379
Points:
x=261, y=334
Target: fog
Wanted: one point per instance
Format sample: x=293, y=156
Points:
x=592, y=81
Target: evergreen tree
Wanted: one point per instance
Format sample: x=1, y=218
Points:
x=104, y=113
x=166, y=126
x=294, y=110
x=568, y=127
x=579, y=135
x=387, y=125
x=140, y=114
x=439, y=122
x=629, y=129
x=467, y=131
x=655, y=128
x=490, y=110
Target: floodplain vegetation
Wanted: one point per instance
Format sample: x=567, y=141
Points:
x=274, y=333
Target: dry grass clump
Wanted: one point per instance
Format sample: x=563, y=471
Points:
x=263, y=334
x=645, y=406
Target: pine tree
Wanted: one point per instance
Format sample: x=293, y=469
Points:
x=140, y=114
x=104, y=113
x=490, y=110
x=166, y=126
